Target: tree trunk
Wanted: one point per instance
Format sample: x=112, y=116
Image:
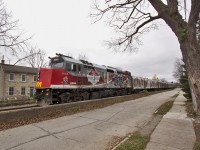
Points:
x=191, y=57
x=186, y=34
x=191, y=54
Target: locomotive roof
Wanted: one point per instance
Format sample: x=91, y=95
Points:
x=99, y=66
x=72, y=60
x=83, y=62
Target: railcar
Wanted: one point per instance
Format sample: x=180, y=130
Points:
x=140, y=83
x=69, y=80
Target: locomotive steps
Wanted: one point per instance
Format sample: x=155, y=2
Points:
x=14, y=118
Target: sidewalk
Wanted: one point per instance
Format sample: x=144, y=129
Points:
x=175, y=131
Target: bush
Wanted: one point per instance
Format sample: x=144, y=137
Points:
x=145, y=92
x=185, y=85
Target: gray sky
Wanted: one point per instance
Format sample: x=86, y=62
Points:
x=64, y=26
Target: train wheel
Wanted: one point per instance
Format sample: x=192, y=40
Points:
x=95, y=95
x=85, y=96
x=82, y=98
x=59, y=100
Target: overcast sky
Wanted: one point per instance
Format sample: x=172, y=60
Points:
x=62, y=26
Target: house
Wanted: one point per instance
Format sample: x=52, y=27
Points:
x=17, y=81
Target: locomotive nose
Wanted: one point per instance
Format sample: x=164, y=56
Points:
x=44, y=78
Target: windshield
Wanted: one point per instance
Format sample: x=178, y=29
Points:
x=57, y=65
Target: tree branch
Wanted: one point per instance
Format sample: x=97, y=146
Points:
x=10, y=36
x=138, y=28
x=134, y=8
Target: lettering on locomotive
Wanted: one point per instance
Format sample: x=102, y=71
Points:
x=38, y=84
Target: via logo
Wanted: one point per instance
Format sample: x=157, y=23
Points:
x=93, y=76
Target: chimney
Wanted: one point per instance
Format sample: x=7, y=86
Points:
x=2, y=61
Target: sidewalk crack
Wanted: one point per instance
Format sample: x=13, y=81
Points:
x=165, y=145
x=49, y=133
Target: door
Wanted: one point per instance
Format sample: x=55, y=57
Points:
x=31, y=91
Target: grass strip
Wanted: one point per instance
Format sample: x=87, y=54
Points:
x=164, y=108
x=175, y=95
x=135, y=142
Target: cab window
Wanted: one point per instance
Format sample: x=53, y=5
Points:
x=79, y=67
x=68, y=66
x=73, y=67
x=57, y=65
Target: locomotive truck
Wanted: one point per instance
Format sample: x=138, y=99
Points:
x=69, y=80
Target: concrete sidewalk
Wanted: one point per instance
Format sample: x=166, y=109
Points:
x=175, y=131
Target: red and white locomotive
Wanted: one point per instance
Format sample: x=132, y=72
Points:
x=70, y=80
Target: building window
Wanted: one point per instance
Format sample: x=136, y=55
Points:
x=11, y=91
x=11, y=76
x=23, y=78
x=34, y=78
x=23, y=91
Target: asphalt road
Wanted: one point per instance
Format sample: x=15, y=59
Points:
x=91, y=130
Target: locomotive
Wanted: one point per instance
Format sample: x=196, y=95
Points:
x=70, y=80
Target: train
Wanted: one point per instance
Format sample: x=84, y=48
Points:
x=69, y=80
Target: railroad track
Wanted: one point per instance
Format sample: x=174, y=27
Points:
x=10, y=108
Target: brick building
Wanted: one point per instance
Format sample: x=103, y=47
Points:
x=17, y=81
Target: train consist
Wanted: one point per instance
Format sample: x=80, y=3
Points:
x=69, y=80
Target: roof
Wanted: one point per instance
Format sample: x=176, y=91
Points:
x=72, y=60
x=84, y=62
x=18, y=69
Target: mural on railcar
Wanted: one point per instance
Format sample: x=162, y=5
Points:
x=119, y=81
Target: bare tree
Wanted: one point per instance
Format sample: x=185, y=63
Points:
x=35, y=57
x=163, y=80
x=83, y=57
x=178, y=69
x=155, y=78
x=69, y=54
x=132, y=18
x=11, y=38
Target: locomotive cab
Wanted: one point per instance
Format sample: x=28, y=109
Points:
x=63, y=75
